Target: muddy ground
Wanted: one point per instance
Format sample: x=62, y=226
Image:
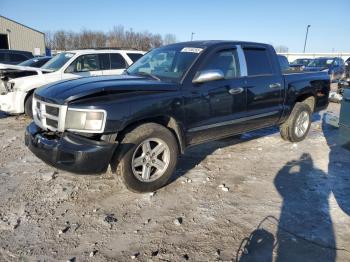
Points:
x=254, y=198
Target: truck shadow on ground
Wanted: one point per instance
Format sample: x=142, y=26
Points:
x=338, y=168
x=305, y=229
x=196, y=154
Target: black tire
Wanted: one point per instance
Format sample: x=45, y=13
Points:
x=28, y=110
x=288, y=129
x=131, y=142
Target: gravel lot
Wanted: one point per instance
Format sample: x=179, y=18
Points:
x=257, y=198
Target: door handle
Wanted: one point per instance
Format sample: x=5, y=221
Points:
x=235, y=91
x=275, y=85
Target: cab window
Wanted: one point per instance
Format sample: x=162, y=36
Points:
x=86, y=63
x=134, y=56
x=258, y=62
x=226, y=61
x=105, y=63
x=117, y=61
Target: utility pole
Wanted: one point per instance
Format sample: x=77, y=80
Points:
x=192, y=34
x=307, y=32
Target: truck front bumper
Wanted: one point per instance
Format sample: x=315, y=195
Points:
x=69, y=152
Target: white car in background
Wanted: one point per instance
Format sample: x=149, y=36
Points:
x=18, y=95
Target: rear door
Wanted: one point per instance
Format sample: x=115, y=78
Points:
x=213, y=108
x=264, y=85
x=117, y=65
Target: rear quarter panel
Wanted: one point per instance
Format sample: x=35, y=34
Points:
x=302, y=85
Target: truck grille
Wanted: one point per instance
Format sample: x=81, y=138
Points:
x=49, y=116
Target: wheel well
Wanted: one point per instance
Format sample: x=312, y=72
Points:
x=30, y=92
x=166, y=121
x=308, y=99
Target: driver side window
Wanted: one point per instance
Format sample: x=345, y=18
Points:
x=85, y=63
x=226, y=61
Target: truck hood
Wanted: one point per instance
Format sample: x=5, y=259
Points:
x=64, y=92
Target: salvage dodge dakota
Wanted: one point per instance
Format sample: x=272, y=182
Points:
x=173, y=97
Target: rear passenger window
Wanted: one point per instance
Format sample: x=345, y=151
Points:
x=105, y=63
x=258, y=62
x=226, y=61
x=134, y=56
x=117, y=61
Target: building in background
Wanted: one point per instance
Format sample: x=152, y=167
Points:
x=14, y=35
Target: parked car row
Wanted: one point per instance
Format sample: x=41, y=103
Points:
x=334, y=66
x=18, y=94
x=300, y=64
x=14, y=57
x=173, y=97
x=347, y=73
x=26, y=68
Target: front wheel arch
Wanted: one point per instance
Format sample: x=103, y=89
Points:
x=167, y=121
x=27, y=104
x=121, y=161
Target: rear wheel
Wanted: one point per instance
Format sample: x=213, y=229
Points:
x=296, y=128
x=147, y=157
x=28, y=110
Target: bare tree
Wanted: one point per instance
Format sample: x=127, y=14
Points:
x=49, y=41
x=156, y=41
x=59, y=39
x=117, y=37
x=169, y=39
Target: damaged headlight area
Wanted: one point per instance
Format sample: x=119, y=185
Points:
x=9, y=86
x=85, y=121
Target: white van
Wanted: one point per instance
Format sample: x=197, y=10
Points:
x=18, y=94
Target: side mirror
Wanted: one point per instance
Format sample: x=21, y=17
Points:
x=208, y=75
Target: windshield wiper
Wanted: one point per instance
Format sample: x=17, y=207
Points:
x=150, y=75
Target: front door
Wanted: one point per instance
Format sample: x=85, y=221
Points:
x=83, y=66
x=213, y=107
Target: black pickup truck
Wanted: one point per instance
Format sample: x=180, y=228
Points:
x=173, y=97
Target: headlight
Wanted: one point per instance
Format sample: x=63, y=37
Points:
x=325, y=70
x=88, y=121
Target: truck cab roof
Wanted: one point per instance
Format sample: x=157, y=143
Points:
x=212, y=43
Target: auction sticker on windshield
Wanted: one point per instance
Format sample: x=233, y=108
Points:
x=192, y=50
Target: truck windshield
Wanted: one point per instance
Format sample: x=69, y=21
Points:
x=166, y=64
x=321, y=62
x=58, y=61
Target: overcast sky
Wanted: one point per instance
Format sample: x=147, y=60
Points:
x=270, y=21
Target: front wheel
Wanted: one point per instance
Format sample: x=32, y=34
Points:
x=147, y=157
x=296, y=128
x=28, y=110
